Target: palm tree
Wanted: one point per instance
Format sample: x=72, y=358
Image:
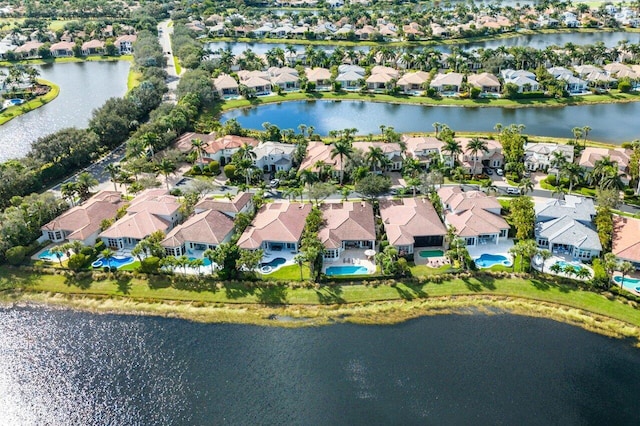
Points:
x=307, y=177
x=544, y=255
x=210, y=255
x=573, y=173
x=454, y=148
x=114, y=170
x=342, y=149
x=577, y=133
x=474, y=146
x=525, y=185
x=149, y=141
x=57, y=251
x=437, y=126
x=585, y=133
x=299, y=259
x=69, y=191
x=625, y=269
x=198, y=145
x=375, y=157
x=488, y=186
x=559, y=191
x=559, y=162
x=166, y=168
x=85, y=181
x=107, y=254
x=556, y=268
x=583, y=274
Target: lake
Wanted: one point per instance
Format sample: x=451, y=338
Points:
x=84, y=86
x=66, y=367
x=538, y=41
x=609, y=122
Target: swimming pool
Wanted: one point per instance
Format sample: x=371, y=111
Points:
x=430, y=253
x=206, y=262
x=275, y=262
x=346, y=270
x=114, y=262
x=51, y=257
x=629, y=283
x=564, y=264
x=487, y=260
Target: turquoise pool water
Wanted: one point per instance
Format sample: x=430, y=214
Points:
x=116, y=262
x=628, y=283
x=207, y=262
x=275, y=262
x=346, y=270
x=564, y=264
x=47, y=255
x=487, y=260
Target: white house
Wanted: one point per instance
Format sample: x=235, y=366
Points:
x=274, y=156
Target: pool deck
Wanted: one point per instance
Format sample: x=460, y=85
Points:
x=434, y=262
x=55, y=259
x=633, y=290
x=351, y=257
x=501, y=248
x=559, y=258
x=269, y=255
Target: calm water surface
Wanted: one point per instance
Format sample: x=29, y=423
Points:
x=84, y=86
x=614, y=123
x=64, y=367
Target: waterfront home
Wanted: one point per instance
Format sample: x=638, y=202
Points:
x=204, y=230
x=538, y=156
x=276, y=71
x=318, y=153
x=411, y=223
x=345, y=68
x=184, y=145
x=621, y=156
x=321, y=77
x=286, y=81
x=93, y=47
x=260, y=85
x=380, y=69
x=614, y=68
x=625, y=241
x=347, y=225
x=241, y=203
x=273, y=157
x=222, y=149
x=350, y=80
x=573, y=84
x=82, y=223
x=380, y=82
x=584, y=70
x=525, y=80
x=392, y=152
x=124, y=43
x=226, y=86
x=423, y=148
x=567, y=236
x=493, y=157
x=581, y=209
x=61, y=49
x=153, y=210
x=474, y=215
x=413, y=82
x=486, y=82
x=277, y=227
x=365, y=32
x=28, y=50
x=450, y=82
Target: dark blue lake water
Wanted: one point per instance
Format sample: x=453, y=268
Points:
x=64, y=367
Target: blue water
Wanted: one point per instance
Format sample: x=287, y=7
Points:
x=16, y=101
x=346, y=270
x=487, y=260
x=628, y=283
x=207, y=262
x=609, y=121
x=275, y=262
x=116, y=262
x=564, y=264
x=47, y=255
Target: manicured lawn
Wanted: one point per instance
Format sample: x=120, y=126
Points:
x=159, y=289
x=288, y=273
x=133, y=79
x=18, y=110
x=176, y=61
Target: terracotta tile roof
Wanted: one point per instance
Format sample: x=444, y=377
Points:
x=459, y=201
x=155, y=201
x=418, y=77
x=319, y=151
x=484, y=79
x=591, y=155
x=224, y=205
x=348, y=221
x=476, y=221
x=281, y=222
x=230, y=142
x=422, y=143
x=84, y=220
x=207, y=227
x=626, y=238
x=183, y=143
x=386, y=147
x=225, y=81
x=409, y=217
x=137, y=225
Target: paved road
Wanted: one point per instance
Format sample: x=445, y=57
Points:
x=164, y=37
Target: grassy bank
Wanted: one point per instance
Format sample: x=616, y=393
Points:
x=15, y=111
x=613, y=97
x=388, y=303
x=38, y=61
x=133, y=79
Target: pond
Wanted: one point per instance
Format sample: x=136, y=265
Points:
x=84, y=86
x=538, y=41
x=609, y=122
x=65, y=367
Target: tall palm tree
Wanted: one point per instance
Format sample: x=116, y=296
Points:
x=107, y=254
x=114, y=171
x=375, y=157
x=625, y=269
x=166, y=168
x=199, y=145
x=525, y=186
x=475, y=146
x=544, y=255
x=577, y=133
x=585, y=133
x=559, y=162
x=559, y=191
x=84, y=182
x=149, y=141
x=342, y=149
x=454, y=149
x=210, y=255
x=573, y=173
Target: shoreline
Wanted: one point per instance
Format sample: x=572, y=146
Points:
x=379, y=313
x=18, y=110
x=68, y=59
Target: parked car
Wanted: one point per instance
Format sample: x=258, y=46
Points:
x=489, y=172
x=499, y=172
x=527, y=174
x=274, y=183
x=513, y=190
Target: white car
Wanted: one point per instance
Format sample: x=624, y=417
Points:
x=513, y=190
